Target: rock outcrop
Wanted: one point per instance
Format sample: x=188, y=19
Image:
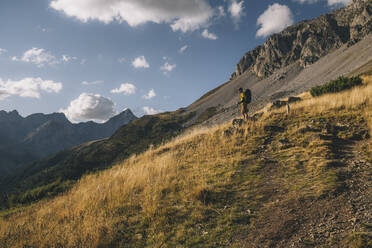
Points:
x=307, y=41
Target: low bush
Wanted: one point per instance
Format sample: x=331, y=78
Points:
x=340, y=84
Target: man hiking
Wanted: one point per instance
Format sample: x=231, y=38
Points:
x=245, y=99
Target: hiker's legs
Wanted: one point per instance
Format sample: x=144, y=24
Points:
x=242, y=111
x=245, y=111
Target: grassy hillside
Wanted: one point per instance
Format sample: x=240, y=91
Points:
x=58, y=173
x=300, y=180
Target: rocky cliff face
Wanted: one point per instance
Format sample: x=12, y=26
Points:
x=308, y=41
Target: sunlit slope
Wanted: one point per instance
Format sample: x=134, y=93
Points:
x=298, y=179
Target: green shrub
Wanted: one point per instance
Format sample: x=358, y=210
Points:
x=340, y=84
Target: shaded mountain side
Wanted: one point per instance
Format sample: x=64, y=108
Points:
x=307, y=41
x=36, y=136
x=301, y=179
x=46, y=139
x=55, y=174
x=15, y=128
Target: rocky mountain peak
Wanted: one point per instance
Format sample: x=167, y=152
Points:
x=58, y=117
x=10, y=116
x=125, y=116
x=308, y=41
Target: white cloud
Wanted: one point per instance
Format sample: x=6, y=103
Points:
x=150, y=111
x=183, y=49
x=221, y=11
x=276, y=18
x=38, y=56
x=150, y=95
x=236, y=10
x=208, y=35
x=126, y=89
x=167, y=67
x=28, y=87
x=121, y=60
x=90, y=107
x=67, y=58
x=2, y=50
x=140, y=62
x=338, y=2
x=180, y=14
x=93, y=82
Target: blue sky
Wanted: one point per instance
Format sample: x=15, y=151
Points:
x=93, y=58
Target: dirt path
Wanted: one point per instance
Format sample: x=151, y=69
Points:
x=328, y=221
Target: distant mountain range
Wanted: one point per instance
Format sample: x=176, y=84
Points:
x=57, y=173
x=24, y=140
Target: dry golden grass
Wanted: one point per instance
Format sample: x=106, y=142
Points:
x=347, y=99
x=367, y=79
x=175, y=182
x=86, y=216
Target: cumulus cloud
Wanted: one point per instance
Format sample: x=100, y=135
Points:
x=93, y=82
x=90, y=107
x=28, y=87
x=338, y=2
x=150, y=95
x=38, y=56
x=208, y=35
x=166, y=68
x=276, y=18
x=126, y=89
x=236, y=10
x=2, y=50
x=183, y=49
x=180, y=14
x=150, y=111
x=140, y=62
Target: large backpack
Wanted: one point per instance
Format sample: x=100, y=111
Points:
x=248, y=96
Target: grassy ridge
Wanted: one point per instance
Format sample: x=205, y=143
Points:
x=218, y=187
x=57, y=174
